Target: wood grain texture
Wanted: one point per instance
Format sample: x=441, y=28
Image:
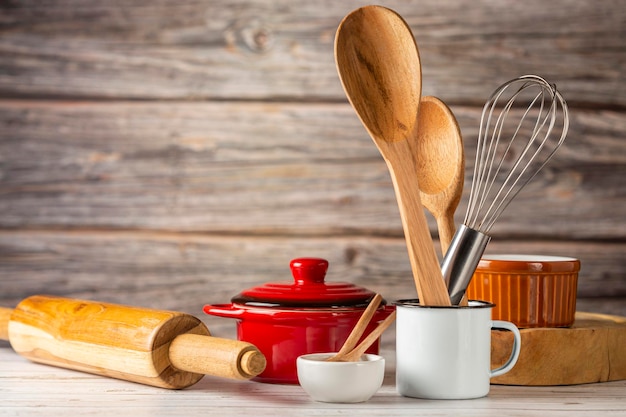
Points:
x=182, y=272
x=592, y=350
x=122, y=342
x=162, y=348
x=170, y=154
x=267, y=50
x=260, y=168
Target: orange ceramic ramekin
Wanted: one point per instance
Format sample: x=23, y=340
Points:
x=528, y=290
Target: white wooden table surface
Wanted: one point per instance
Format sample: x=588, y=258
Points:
x=29, y=389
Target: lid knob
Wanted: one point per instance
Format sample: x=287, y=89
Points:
x=307, y=290
x=308, y=270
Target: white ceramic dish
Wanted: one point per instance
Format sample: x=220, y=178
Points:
x=340, y=382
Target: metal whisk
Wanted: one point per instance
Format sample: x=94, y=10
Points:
x=511, y=150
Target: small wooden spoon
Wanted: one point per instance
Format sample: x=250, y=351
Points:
x=350, y=353
x=440, y=165
x=379, y=67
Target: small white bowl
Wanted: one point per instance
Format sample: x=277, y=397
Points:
x=340, y=382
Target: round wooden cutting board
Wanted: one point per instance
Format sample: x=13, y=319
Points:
x=593, y=349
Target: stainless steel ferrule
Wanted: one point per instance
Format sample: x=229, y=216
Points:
x=461, y=260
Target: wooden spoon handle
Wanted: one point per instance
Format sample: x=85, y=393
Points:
x=429, y=281
x=463, y=302
x=358, y=329
x=370, y=339
x=446, y=227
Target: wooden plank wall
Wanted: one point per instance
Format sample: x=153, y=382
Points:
x=169, y=154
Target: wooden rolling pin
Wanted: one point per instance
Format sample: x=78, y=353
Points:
x=161, y=348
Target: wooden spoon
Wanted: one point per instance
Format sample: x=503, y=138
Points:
x=440, y=165
x=350, y=353
x=379, y=67
x=358, y=329
x=359, y=351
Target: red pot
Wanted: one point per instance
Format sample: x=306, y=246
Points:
x=285, y=320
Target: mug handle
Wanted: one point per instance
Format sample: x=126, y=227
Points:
x=517, y=345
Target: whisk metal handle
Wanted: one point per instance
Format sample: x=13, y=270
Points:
x=461, y=260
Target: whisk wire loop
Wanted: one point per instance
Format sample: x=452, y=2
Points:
x=509, y=154
x=494, y=186
x=511, y=179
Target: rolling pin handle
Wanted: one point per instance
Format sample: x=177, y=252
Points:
x=224, y=358
x=252, y=363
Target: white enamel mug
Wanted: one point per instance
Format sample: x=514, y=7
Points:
x=445, y=352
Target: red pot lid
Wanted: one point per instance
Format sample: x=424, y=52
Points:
x=308, y=289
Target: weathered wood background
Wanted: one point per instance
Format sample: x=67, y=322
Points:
x=169, y=154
